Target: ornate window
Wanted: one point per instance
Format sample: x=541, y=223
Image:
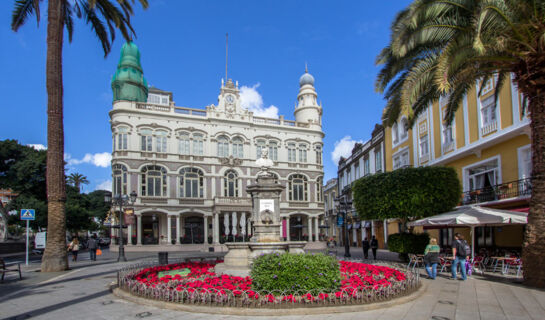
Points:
x=154, y=181
x=122, y=139
x=183, y=144
x=403, y=129
x=319, y=154
x=395, y=133
x=230, y=185
x=298, y=187
x=273, y=150
x=488, y=112
x=119, y=180
x=191, y=183
x=260, y=145
x=366, y=166
x=223, y=146
x=424, y=147
x=292, y=151
x=238, y=148
x=161, y=141
x=378, y=160
x=303, y=153
x=198, y=142
x=319, y=189
x=146, y=140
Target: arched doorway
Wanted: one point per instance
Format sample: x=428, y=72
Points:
x=296, y=228
x=150, y=229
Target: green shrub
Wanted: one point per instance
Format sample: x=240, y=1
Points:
x=293, y=273
x=405, y=243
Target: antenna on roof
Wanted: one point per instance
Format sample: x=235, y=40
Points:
x=226, y=53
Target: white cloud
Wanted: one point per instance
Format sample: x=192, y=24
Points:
x=105, y=185
x=343, y=148
x=102, y=160
x=37, y=146
x=251, y=99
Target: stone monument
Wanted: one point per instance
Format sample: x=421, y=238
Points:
x=266, y=224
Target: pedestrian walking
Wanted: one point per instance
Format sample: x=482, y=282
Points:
x=365, y=245
x=92, y=246
x=431, y=258
x=460, y=251
x=374, y=247
x=73, y=247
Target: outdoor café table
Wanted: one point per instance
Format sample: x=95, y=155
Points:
x=502, y=259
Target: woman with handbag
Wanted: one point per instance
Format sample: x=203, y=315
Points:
x=431, y=258
x=73, y=247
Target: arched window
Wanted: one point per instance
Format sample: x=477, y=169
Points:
x=302, y=153
x=223, y=146
x=191, y=183
x=395, y=133
x=230, y=185
x=119, y=180
x=298, y=188
x=292, y=151
x=121, y=139
x=260, y=145
x=183, y=143
x=238, y=148
x=146, y=140
x=154, y=181
x=319, y=189
x=319, y=154
x=403, y=129
x=273, y=150
x=198, y=149
x=161, y=141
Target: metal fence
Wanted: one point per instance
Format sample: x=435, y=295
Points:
x=275, y=299
x=512, y=189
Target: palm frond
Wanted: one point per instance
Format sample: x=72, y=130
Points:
x=68, y=20
x=22, y=10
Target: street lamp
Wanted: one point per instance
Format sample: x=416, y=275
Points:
x=343, y=206
x=121, y=200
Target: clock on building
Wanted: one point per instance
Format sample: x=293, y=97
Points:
x=230, y=99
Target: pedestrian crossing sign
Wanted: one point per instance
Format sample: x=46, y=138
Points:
x=28, y=214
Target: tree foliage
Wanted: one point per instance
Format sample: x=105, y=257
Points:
x=407, y=193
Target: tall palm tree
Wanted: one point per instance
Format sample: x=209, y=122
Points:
x=441, y=47
x=77, y=179
x=104, y=17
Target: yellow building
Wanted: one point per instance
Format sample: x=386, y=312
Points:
x=489, y=148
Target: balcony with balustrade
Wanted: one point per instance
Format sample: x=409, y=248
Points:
x=504, y=191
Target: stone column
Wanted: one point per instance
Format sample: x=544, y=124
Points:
x=316, y=228
x=178, y=229
x=372, y=228
x=216, y=228
x=288, y=228
x=169, y=230
x=205, y=218
x=129, y=234
x=385, y=227
x=309, y=228
x=139, y=229
x=364, y=233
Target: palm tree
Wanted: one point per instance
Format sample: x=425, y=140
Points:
x=77, y=179
x=104, y=17
x=441, y=47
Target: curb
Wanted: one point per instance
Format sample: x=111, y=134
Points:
x=264, y=311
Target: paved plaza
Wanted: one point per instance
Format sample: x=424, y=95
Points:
x=83, y=293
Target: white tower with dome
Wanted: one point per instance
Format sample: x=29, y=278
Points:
x=307, y=109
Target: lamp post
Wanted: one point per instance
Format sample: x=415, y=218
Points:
x=120, y=200
x=343, y=207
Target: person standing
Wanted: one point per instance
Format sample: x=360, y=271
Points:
x=431, y=258
x=73, y=247
x=459, y=255
x=365, y=245
x=374, y=247
x=92, y=246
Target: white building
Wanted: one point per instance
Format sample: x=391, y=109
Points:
x=190, y=167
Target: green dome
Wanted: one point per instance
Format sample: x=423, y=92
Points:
x=128, y=82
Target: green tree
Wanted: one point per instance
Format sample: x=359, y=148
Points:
x=104, y=17
x=77, y=179
x=407, y=194
x=443, y=47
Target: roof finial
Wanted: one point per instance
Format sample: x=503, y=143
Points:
x=306, y=67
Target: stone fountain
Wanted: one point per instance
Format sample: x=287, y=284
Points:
x=265, y=218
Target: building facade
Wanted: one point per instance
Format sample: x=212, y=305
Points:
x=489, y=147
x=190, y=167
x=366, y=159
x=330, y=211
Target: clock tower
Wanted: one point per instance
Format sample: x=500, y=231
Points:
x=229, y=98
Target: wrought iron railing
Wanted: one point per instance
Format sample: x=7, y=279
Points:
x=513, y=189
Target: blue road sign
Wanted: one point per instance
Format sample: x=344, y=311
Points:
x=340, y=220
x=28, y=214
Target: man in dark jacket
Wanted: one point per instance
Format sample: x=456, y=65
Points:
x=365, y=245
x=374, y=247
x=92, y=246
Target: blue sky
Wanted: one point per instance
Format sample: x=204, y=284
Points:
x=182, y=46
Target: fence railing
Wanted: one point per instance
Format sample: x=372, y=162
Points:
x=513, y=189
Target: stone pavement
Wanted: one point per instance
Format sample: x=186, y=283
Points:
x=82, y=293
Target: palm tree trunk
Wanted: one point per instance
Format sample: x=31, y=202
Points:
x=533, y=250
x=55, y=256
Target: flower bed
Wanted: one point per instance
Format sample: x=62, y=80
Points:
x=360, y=283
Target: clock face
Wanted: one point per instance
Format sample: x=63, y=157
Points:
x=230, y=99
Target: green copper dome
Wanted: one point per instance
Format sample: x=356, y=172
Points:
x=128, y=82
